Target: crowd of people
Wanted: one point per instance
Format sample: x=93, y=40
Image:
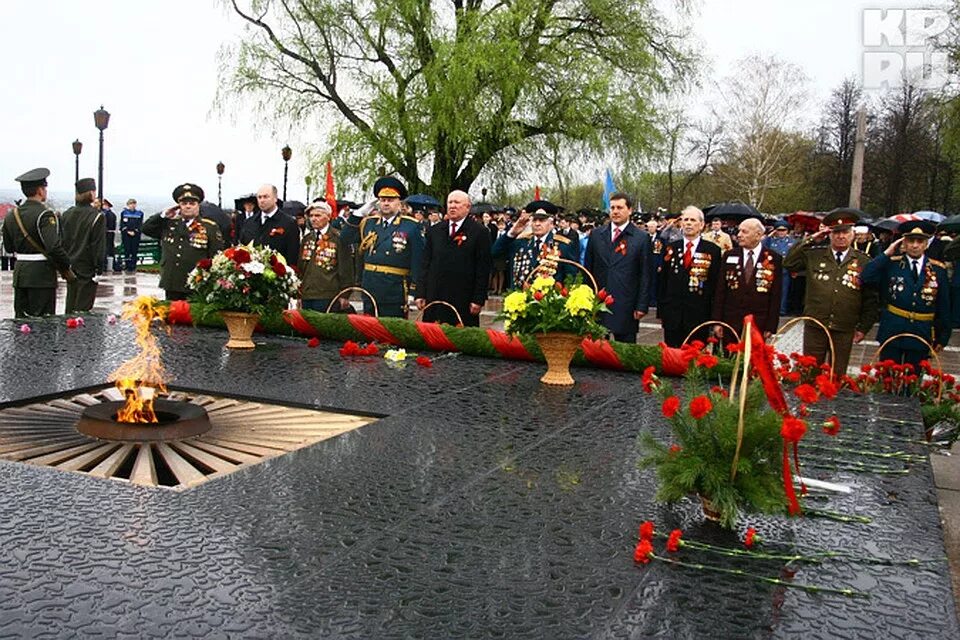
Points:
x=702, y=277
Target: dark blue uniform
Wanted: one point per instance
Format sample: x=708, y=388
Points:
x=389, y=254
x=910, y=304
x=131, y=223
x=524, y=256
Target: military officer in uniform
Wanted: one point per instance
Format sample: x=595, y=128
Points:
x=32, y=231
x=915, y=290
x=185, y=239
x=84, y=239
x=835, y=294
x=131, y=223
x=390, y=248
x=538, y=251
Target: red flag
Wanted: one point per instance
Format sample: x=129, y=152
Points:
x=536, y=193
x=330, y=195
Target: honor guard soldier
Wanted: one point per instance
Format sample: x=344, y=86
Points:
x=32, y=231
x=538, y=251
x=835, y=295
x=131, y=223
x=915, y=292
x=84, y=239
x=185, y=239
x=390, y=248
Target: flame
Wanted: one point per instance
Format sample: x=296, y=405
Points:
x=141, y=377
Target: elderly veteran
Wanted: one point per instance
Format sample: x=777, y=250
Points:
x=915, y=291
x=325, y=266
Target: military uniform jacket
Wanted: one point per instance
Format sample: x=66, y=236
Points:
x=43, y=226
x=524, y=257
x=280, y=232
x=390, y=254
x=920, y=306
x=183, y=243
x=325, y=266
x=735, y=298
x=624, y=270
x=457, y=269
x=835, y=295
x=84, y=239
x=685, y=296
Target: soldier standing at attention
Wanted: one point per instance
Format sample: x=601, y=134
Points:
x=185, y=239
x=33, y=232
x=84, y=237
x=835, y=295
x=131, y=221
x=915, y=290
x=390, y=249
x=325, y=265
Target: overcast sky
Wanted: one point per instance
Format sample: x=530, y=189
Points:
x=153, y=65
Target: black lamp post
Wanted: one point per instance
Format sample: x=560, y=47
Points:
x=77, y=148
x=101, y=119
x=286, y=152
x=220, y=168
x=309, y=181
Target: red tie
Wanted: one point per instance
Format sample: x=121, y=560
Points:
x=688, y=256
x=453, y=229
x=616, y=234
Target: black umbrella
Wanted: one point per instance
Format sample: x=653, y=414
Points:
x=484, y=207
x=238, y=202
x=732, y=211
x=951, y=224
x=422, y=202
x=293, y=208
x=347, y=203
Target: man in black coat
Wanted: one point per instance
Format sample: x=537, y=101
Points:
x=272, y=228
x=686, y=281
x=618, y=255
x=456, y=265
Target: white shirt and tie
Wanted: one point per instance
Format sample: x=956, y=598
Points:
x=265, y=217
x=840, y=255
x=750, y=258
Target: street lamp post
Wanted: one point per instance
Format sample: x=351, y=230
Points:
x=286, y=152
x=101, y=118
x=220, y=168
x=77, y=148
x=309, y=181
x=483, y=194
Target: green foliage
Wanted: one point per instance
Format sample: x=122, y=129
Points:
x=548, y=305
x=703, y=462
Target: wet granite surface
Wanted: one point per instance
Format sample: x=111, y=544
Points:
x=483, y=504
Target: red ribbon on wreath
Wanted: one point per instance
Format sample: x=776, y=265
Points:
x=509, y=347
x=434, y=336
x=372, y=328
x=295, y=319
x=674, y=361
x=600, y=353
x=179, y=313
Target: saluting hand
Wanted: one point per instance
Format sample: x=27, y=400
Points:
x=520, y=224
x=894, y=247
x=171, y=212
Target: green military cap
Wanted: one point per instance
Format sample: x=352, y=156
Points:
x=86, y=184
x=917, y=229
x=842, y=219
x=36, y=176
x=188, y=191
x=389, y=187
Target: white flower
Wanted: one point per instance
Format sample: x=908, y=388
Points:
x=396, y=355
x=253, y=267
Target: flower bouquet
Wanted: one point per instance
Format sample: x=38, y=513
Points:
x=558, y=315
x=243, y=283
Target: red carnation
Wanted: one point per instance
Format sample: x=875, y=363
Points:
x=205, y=263
x=369, y=350
x=806, y=393
x=675, y=448
x=670, y=406
x=707, y=360
x=803, y=411
x=674, y=542
x=279, y=269
x=646, y=530
x=608, y=300
x=424, y=361
x=72, y=323
x=564, y=292
x=806, y=361
x=700, y=406
x=349, y=348
x=241, y=256
x=751, y=538
x=735, y=347
x=827, y=386
x=648, y=379
x=602, y=294
x=793, y=429
x=719, y=391
x=313, y=342
x=642, y=552
x=538, y=295
x=831, y=426
x=230, y=252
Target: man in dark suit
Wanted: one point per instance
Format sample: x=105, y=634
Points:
x=751, y=278
x=618, y=255
x=272, y=228
x=538, y=249
x=687, y=279
x=456, y=265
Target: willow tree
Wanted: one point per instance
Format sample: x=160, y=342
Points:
x=433, y=91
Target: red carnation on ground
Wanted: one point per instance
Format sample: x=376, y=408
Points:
x=670, y=406
x=674, y=542
x=828, y=388
x=831, y=426
x=205, y=263
x=72, y=323
x=369, y=350
x=649, y=379
x=313, y=342
x=700, y=406
x=793, y=429
x=806, y=393
x=750, y=538
x=642, y=552
x=424, y=361
x=646, y=530
x=349, y=348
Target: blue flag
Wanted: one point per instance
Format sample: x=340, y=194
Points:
x=608, y=189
